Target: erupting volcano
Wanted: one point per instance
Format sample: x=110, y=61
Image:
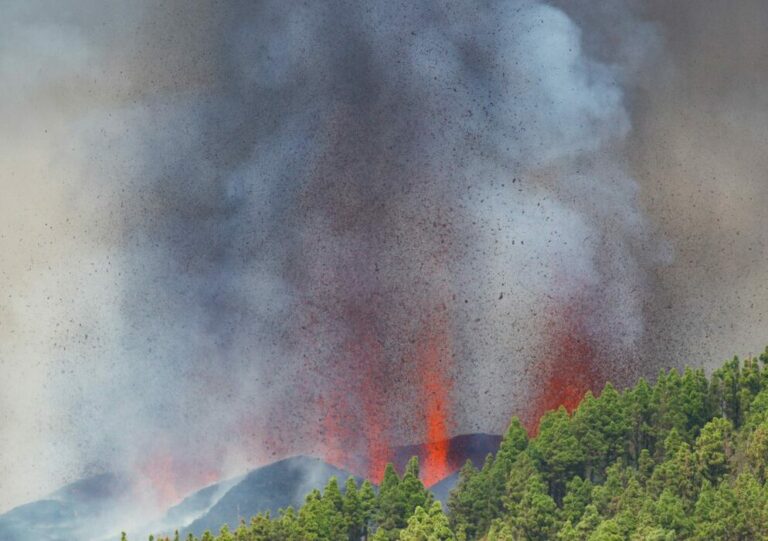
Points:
x=354, y=230
x=359, y=438
x=357, y=425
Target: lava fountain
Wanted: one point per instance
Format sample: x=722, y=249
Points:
x=571, y=366
x=434, y=362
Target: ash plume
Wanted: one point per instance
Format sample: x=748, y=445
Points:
x=260, y=229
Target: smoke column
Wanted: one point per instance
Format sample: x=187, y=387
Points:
x=238, y=232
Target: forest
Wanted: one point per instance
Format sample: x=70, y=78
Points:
x=682, y=458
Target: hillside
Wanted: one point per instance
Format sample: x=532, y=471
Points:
x=85, y=509
x=267, y=489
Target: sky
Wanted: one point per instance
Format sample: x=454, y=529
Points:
x=234, y=232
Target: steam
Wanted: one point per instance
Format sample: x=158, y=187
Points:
x=227, y=230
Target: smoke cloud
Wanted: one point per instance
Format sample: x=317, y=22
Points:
x=232, y=234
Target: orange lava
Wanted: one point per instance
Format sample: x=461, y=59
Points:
x=355, y=418
x=334, y=432
x=433, y=363
x=569, y=370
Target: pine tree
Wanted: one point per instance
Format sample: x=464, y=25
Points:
x=558, y=450
x=411, y=489
x=751, y=519
x=225, y=534
x=353, y=513
x=462, y=501
x=608, y=530
x=320, y=519
x=757, y=452
x=367, y=498
x=696, y=407
x=567, y=532
x=536, y=517
x=728, y=379
x=489, y=485
x=578, y=494
x=391, y=515
x=590, y=520
x=714, y=448
x=667, y=400
x=287, y=527
x=431, y=525
x=332, y=495
x=671, y=514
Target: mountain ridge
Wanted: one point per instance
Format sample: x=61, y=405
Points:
x=73, y=510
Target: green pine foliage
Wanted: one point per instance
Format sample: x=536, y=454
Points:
x=684, y=458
